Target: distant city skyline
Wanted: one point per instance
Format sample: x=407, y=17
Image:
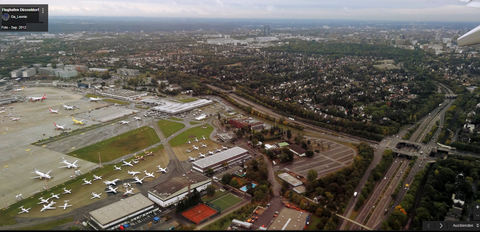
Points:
x=398, y=10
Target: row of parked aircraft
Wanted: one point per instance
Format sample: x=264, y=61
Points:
x=208, y=153
x=196, y=140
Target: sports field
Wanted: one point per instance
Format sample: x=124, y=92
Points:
x=191, y=134
x=118, y=146
x=199, y=213
x=226, y=201
x=169, y=128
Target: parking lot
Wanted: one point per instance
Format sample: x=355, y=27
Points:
x=333, y=157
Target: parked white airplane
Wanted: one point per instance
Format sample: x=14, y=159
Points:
x=68, y=107
x=65, y=191
x=139, y=180
x=149, y=174
x=196, y=140
x=133, y=173
x=189, y=141
x=224, y=147
x=191, y=159
x=137, y=118
x=203, y=137
x=135, y=161
x=111, y=189
x=58, y=127
x=95, y=99
x=55, y=196
x=65, y=205
x=96, y=177
x=203, y=145
x=210, y=152
x=123, y=122
x=53, y=111
x=129, y=191
x=23, y=210
x=218, y=150
x=45, y=207
x=15, y=119
x=188, y=151
x=38, y=98
x=42, y=175
x=19, y=89
x=117, y=168
x=201, y=155
x=160, y=169
x=86, y=181
x=43, y=201
x=125, y=163
x=94, y=195
x=69, y=165
x=195, y=148
x=109, y=182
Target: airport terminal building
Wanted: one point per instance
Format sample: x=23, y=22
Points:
x=175, y=189
x=232, y=156
x=122, y=212
x=177, y=108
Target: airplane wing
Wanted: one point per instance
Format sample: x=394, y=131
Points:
x=472, y=37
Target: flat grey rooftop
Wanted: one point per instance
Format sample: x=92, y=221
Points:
x=218, y=157
x=173, y=107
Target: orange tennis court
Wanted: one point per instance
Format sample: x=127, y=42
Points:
x=199, y=213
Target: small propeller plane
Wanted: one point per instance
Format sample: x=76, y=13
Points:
x=96, y=177
x=111, y=189
x=203, y=145
x=23, y=210
x=137, y=180
x=196, y=140
x=78, y=122
x=195, y=148
x=133, y=173
x=95, y=99
x=68, y=164
x=137, y=118
x=55, y=196
x=45, y=207
x=53, y=111
x=123, y=122
x=129, y=191
x=43, y=201
x=201, y=155
x=139, y=157
x=66, y=191
x=149, y=174
x=210, y=152
x=94, y=195
x=224, y=147
x=65, y=205
x=85, y=181
x=68, y=107
x=42, y=175
x=135, y=161
x=125, y=163
x=109, y=182
x=17, y=90
x=160, y=169
x=189, y=141
x=58, y=127
x=188, y=151
x=203, y=137
x=191, y=159
x=117, y=168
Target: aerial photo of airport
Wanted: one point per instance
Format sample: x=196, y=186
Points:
x=241, y=123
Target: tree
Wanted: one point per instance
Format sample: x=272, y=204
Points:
x=309, y=153
x=234, y=183
x=226, y=178
x=312, y=175
x=289, y=134
x=254, y=142
x=209, y=172
x=210, y=190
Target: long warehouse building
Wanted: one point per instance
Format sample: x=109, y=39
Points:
x=232, y=156
x=176, y=108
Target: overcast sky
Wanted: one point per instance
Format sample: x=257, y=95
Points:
x=404, y=10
